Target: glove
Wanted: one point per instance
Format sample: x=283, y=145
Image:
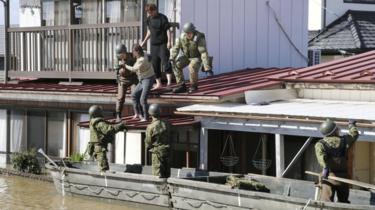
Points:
x=121, y=126
x=352, y=122
x=325, y=173
x=209, y=73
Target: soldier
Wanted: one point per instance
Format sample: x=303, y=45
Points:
x=157, y=140
x=101, y=133
x=192, y=43
x=125, y=78
x=331, y=152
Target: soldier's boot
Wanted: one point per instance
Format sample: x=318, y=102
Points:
x=209, y=73
x=180, y=89
x=118, y=116
x=193, y=88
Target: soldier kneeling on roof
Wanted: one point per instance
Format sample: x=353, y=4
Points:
x=331, y=152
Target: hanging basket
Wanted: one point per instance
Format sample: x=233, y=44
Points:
x=262, y=164
x=232, y=159
x=229, y=161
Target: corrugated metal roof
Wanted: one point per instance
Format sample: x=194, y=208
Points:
x=355, y=69
x=212, y=89
x=301, y=108
x=137, y=125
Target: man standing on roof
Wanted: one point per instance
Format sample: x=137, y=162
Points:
x=101, y=134
x=192, y=43
x=125, y=78
x=160, y=37
x=331, y=152
x=158, y=142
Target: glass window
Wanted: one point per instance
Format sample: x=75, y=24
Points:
x=3, y=127
x=17, y=131
x=82, y=135
x=36, y=129
x=91, y=11
x=123, y=10
x=55, y=12
x=56, y=134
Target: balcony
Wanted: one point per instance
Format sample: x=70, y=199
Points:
x=69, y=52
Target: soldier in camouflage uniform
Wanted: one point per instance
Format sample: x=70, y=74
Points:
x=101, y=133
x=331, y=152
x=125, y=78
x=157, y=140
x=192, y=43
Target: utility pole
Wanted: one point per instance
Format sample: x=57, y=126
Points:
x=6, y=4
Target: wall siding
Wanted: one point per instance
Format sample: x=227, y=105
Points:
x=243, y=34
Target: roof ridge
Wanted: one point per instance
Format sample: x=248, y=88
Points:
x=354, y=28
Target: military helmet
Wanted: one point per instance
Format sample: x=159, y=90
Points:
x=189, y=27
x=154, y=110
x=328, y=127
x=95, y=111
x=120, y=48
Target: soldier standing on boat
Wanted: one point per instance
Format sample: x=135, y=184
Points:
x=192, y=43
x=125, y=78
x=157, y=140
x=101, y=133
x=331, y=152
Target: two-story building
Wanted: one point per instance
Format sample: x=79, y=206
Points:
x=62, y=54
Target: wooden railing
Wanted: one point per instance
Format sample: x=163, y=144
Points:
x=71, y=52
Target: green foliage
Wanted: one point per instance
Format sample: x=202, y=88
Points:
x=76, y=157
x=26, y=161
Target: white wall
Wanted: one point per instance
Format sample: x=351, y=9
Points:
x=133, y=153
x=244, y=33
x=336, y=8
x=315, y=15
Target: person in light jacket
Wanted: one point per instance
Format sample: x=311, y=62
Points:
x=146, y=76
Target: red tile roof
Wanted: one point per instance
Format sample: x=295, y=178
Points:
x=210, y=89
x=137, y=125
x=355, y=69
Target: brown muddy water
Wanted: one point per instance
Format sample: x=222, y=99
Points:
x=17, y=193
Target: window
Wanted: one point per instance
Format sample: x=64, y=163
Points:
x=360, y=1
x=123, y=10
x=55, y=13
x=17, y=131
x=3, y=127
x=36, y=129
x=56, y=134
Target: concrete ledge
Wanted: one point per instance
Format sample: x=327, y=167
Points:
x=11, y=172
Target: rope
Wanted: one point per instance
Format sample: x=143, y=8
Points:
x=285, y=33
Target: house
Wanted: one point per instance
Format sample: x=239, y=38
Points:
x=338, y=28
x=62, y=54
x=275, y=130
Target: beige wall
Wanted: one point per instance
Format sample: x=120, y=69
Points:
x=363, y=166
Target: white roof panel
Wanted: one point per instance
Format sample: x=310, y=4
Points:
x=296, y=108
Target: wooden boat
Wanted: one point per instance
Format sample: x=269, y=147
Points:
x=211, y=193
x=133, y=183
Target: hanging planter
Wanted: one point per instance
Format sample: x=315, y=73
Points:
x=261, y=164
x=232, y=159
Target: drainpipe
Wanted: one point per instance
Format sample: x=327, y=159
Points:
x=6, y=4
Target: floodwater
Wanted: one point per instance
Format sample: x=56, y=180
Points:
x=18, y=193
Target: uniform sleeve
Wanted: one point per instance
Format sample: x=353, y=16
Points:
x=175, y=49
x=321, y=155
x=105, y=128
x=203, y=51
x=352, y=136
x=148, y=139
x=116, y=64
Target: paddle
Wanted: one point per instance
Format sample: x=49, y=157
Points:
x=347, y=181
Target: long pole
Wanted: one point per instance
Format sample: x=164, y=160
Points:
x=7, y=41
x=298, y=155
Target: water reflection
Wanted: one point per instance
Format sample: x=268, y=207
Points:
x=22, y=193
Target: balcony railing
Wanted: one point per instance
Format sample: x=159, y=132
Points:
x=71, y=52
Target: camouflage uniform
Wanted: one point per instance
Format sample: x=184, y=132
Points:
x=125, y=79
x=194, y=53
x=157, y=140
x=102, y=133
x=331, y=152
